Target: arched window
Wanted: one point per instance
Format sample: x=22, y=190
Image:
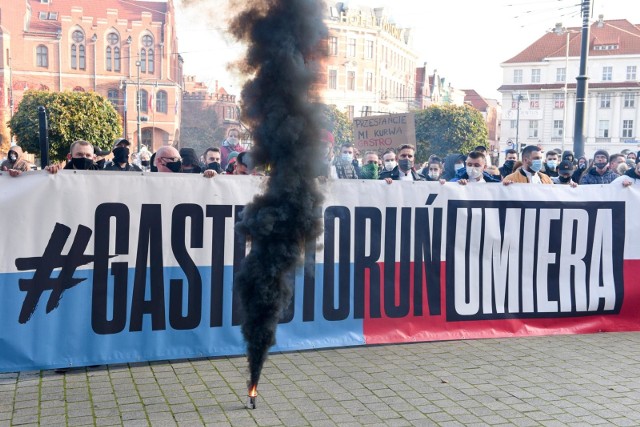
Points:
x=74, y=56
x=144, y=99
x=147, y=137
x=42, y=56
x=108, y=59
x=146, y=56
x=116, y=59
x=83, y=57
x=143, y=60
x=161, y=101
x=113, y=95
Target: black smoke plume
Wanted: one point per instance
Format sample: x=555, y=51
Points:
x=285, y=42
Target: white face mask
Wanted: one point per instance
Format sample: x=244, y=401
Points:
x=390, y=165
x=434, y=175
x=346, y=157
x=458, y=166
x=474, y=173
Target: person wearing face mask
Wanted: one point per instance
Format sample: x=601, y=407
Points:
x=168, y=159
x=388, y=161
x=452, y=164
x=120, y=161
x=190, y=162
x=229, y=145
x=529, y=172
x=565, y=171
x=475, y=171
x=81, y=156
x=599, y=173
x=433, y=171
x=370, y=167
x=630, y=177
x=344, y=164
x=15, y=161
x=212, y=158
x=510, y=159
x=550, y=166
x=404, y=171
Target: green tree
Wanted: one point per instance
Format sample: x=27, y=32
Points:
x=445, y=129
x=71, y=116
x=199, y=128
x=5, y=138
x=338, y=124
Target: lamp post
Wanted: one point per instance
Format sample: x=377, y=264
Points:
x=560, y=30
x=138, y=107
x=518, y=97
x=581, y=85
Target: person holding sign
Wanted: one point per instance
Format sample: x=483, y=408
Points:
x=404, y=171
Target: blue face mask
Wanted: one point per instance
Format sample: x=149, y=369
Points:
x=536, y=165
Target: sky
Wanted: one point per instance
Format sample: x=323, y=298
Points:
x=465, y=40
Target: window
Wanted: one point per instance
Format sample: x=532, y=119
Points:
x=513, y=124
x=333, y=79
x=535, y=75
x=113, y=39
x=144, y=99
x=143, y=60
x=561, y=74
x=366, y=110
x=627, y=128
x=161, y=102
x=116, y=59
x=533, y=128
x=351, y=48
x=534, y=100
x=333, y=46
x=82, y=57
x=113, y=95
x=147, y=137
x=558, y=100
x=350, y=111
x=147, y=41
x=607, y=73
x=150, y=61
x=369, y=50
x=603, y=129
x=631, y=72
x=108, y=58
x=629, y=100
x=605, y=100
x=43, y=16
x=517, y=76
x=558, y=127
x=77, y=36
x=74, y=56
x=42, y=56
x=351, y=80
x=369, y=81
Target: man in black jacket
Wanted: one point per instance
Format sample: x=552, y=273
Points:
x=404, y=171
x=120, y=160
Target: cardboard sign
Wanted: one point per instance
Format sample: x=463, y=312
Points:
x=378, y=133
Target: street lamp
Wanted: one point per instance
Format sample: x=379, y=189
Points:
x=138, y=64
x=518, y=97
x=560, y=30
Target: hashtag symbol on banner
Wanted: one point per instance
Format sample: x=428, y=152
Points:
x=45, y=265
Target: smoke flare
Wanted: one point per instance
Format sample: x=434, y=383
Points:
x=284, y=40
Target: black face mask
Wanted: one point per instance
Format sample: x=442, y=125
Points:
x=174, y=166
x=81, y=163
x=120, y=155
x=215, y=166
x=100, y=163
x=145, y=163
x=564, y=179
x=509, y=164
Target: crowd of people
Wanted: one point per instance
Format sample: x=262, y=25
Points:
x=532, y=165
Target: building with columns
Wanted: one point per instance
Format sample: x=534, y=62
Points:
x=115, y=48
x=539, y=89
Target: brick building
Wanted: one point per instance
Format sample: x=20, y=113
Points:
x=111, y=47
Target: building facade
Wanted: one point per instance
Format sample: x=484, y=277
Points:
x=371, y=64
x=539, y=89
x=125, y=51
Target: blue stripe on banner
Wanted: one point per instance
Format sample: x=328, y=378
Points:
x=64, y=337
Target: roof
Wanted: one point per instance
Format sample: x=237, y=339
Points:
x=475, y=99
x=618, y=32
x=131, y=10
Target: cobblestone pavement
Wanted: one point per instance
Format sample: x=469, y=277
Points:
x=549, y=381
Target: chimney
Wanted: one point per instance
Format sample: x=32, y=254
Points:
x=600, y=21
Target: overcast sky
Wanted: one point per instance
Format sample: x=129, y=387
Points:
x=466, y=40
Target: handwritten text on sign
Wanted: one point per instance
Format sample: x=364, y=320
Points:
x=378, y=133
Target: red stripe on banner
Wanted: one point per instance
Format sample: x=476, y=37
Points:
x=411, y=328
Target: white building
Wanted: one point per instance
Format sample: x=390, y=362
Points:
x=543, y=78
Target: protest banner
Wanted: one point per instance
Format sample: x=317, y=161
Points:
x=99, y=268
x=379, y=133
